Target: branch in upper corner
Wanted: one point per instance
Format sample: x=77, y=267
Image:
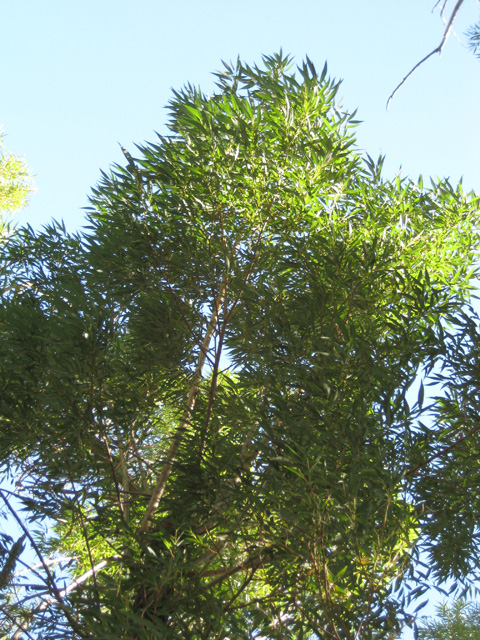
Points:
x=438, y=50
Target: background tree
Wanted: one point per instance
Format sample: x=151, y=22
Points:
x=15, y=181
x=460, y=621
x=206, y=392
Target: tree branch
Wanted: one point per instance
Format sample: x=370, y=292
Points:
x=32, y=568
x=77, y=582
x=438, y=50
x=185, y=419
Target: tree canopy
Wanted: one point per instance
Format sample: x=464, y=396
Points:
x=204, y=397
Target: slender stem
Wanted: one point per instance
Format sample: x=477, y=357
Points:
x=252, y=563
x=140, y=460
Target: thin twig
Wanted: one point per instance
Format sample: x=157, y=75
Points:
x=85, y=536
x=73, y=585
x=125, y=477
x=245, y=584
x=442, y=10
x=438, y=50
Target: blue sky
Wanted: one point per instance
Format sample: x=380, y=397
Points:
x=80, y=76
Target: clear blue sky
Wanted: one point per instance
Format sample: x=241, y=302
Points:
x=80, y=76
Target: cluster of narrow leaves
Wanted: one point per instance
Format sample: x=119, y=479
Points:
x=203, y=395
x=459, y=621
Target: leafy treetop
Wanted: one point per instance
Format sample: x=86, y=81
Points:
x=206, y=391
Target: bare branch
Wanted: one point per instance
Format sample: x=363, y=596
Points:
x=442, y=17
x=438, y=50
x=442, y=10
x=437, y=3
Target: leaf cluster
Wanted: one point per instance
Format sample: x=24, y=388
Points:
x=15, y=181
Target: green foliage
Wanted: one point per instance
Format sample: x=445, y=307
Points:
x=15, y=181
x=461, y=621
x=205, y=394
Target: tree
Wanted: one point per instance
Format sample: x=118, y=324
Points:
x=461, y=621
x=204, y=395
